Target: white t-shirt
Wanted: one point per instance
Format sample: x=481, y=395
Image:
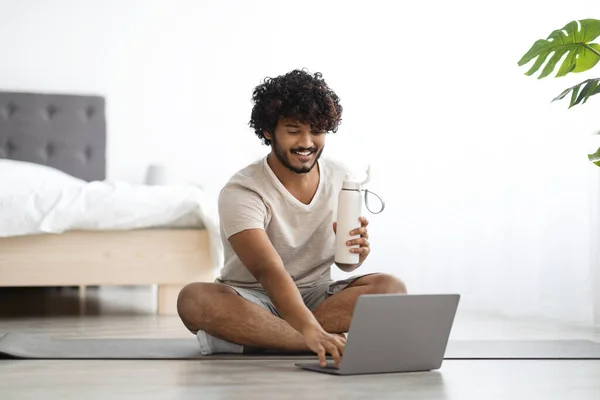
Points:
x=302, y=234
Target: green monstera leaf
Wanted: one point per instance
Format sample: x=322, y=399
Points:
x=595, y=158
x=590, y=88
x=574, y=41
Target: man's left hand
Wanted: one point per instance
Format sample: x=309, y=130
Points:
x=363, y=241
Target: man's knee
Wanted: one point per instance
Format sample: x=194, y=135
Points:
x=196, y=302
x=385, y=283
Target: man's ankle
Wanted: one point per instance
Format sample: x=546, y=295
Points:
x=213, y=345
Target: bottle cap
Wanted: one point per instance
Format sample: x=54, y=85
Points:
x=351, y=183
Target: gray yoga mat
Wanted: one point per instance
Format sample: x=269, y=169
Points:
x=27, y=346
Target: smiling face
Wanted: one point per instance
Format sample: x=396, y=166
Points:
x=297, y=148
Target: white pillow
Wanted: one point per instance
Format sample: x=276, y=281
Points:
x=22, y=176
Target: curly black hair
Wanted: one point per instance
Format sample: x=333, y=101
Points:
x=296, y=95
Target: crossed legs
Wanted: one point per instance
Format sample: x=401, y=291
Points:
x=219, y=311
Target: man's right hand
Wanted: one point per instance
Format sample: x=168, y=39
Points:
x=323, y=343
x=257, y=253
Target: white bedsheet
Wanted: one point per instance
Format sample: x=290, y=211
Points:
x=79, y=205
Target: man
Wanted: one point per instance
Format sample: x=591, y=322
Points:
x=278, y=229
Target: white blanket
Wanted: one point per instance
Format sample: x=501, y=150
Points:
x=35, y=199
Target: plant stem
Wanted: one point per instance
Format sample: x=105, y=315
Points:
x=593, y=50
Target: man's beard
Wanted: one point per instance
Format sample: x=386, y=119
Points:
x=283, y=157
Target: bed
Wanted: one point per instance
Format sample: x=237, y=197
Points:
x=63, y=224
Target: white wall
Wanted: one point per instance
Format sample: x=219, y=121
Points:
x=488, y=189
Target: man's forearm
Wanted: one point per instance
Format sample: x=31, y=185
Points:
x=287, y=299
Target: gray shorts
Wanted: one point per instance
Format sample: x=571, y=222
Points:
x=313, y=296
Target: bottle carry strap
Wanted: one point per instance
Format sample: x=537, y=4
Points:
x=367, y=201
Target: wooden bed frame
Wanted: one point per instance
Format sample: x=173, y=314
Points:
x=68, y=132
x=169, y=258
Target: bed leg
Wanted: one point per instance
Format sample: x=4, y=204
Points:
x=167, y=299
x=82, y=303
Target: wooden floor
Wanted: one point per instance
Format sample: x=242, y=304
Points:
x=128, y=312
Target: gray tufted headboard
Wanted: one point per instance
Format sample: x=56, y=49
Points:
x=67, y=132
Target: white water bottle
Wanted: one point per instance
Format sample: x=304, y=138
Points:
x=349, y=210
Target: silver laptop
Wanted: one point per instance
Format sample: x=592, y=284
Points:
x=395, y=333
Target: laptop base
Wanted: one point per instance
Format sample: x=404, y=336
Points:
x=329, y=369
